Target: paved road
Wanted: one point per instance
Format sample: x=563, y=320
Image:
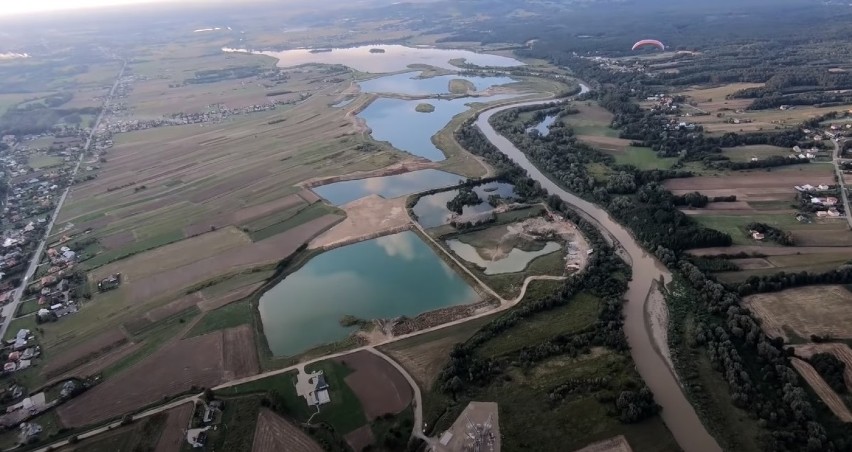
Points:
x=836, y=160
x=9, y=310
x=678, y=413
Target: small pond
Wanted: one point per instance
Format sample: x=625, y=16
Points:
x=392, y=186
x=516, y=261
x=395, y=58
x=544, y=126
x=431, y=210
x=397, y=121
x=407, y=83
x=386, y=277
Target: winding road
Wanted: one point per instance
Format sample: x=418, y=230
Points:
x=677, y=413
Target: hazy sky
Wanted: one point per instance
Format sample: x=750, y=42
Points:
x=8, y=7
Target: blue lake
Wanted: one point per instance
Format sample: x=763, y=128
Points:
x=386, y=277
x=543, y=127
x=406, y=83
x=392, y=186
x=396, y=121
x=431, y=210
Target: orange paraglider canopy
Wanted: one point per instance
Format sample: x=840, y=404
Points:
x=649, y=43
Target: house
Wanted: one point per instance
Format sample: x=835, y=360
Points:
x=29, y=432
x=822, y=187
x=196, y=437
x=830, y=201
x=754, y=158
x=321, y=391
x=757, y=235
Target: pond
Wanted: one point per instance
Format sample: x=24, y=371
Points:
x=392, y=186
x=516, y=261
x=386, y=277
x=394, y=58
x=396, y=121
x=431, y=210
x=544, y=126
x=407, y=83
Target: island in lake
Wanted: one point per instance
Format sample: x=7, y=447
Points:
x=424, y=108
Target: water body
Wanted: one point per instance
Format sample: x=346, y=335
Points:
x=397, y=121
x=544, y=126
x=516, y=261
x=393, y=186
x=343, y=103
x=431, y=210
x=407, y=83
x=395, y=58
x=386, y=277
x=677, y=413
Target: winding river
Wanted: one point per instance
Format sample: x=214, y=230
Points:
x=677, y=413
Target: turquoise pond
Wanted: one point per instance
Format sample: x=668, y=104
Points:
x=385, y=277
x=392, y=186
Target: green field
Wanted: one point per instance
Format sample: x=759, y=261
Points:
x=735, y=225
x=643, y=158
x=344, y=412
x=40, y=161
x=761, y=151
x=228, y=316
x=580, y=313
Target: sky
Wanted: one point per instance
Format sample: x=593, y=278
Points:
x=11, y=7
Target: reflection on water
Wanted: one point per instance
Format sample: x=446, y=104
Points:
x=386, y=277
x=516, y=261
x=406, y=83
x=340, y=193
x=431, y=210
x=544, y=126
x=397, y=121
x=394, y=58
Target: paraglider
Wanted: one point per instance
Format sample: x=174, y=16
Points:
x=649, y=43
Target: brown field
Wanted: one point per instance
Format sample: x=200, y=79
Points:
x=825, y=393
x=103, y=361
x=840, y=351
x=257, y=254
x=772, y=251
x=199, y=361
x=274, y=433
x=117, y=240
x=379, y=387
x=175, y=307
x=803, y=311
x=239, y=354
x=360, y=438
x=173, y=436
x=76, y=356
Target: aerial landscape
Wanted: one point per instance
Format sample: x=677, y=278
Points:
x=429, y=225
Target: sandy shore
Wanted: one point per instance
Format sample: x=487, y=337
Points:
x=657, y=314
x=366, y=218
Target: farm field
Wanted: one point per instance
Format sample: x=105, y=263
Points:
x=761, y=151
x=379, y=387
x=423, y=356
x=204, y=361
x=839, y=350
x=173, y=436
x=804, y=311
x=790, y=263
x=276, y=433
x=822, y=389
x=805, y=234
x=142, y=435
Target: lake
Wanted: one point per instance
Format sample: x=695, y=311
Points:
x=392, y=186
x=544, y=126
x=431, y=210
x=396, y=121
x=406, y=83
x=386, y=277
x=516, y=261
x=395, y=58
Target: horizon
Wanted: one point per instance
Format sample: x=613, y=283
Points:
x=55, y=6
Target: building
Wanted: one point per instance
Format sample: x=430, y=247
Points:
x=321, y=391
x=757, y=235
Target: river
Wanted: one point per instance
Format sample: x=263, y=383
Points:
x=677, y=413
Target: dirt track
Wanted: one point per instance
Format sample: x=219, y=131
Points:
x=379, y=387
x=828, y=396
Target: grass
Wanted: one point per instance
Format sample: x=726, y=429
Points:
x=134, y=248
x=236, y=431
x=141, y=435
x=735, y=225
x=310, y=213
x=580, y=313
x=27, y=307
x=344, y=412
x=509, y=284
x=461, y=86
x=235, y=282
x=424, y=108
x=227, y=316
x=643, y=159
x=761, y=151
x=40, y=161
x=20, y=323
x=599, y=171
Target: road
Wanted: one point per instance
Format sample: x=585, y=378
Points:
x=677, y=413
x=8, y=311
x=836, y=159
